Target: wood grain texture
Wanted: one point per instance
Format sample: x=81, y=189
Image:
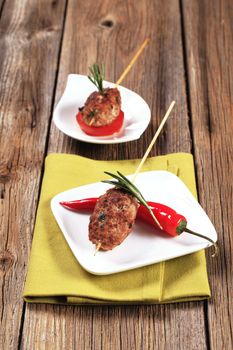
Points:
x=29, y=46
x=209, y=49
x=116, y=327
x=158, y=75
x=112, y=32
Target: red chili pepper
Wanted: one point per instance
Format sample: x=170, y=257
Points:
x=172, y=222
x=86, y=203
x=105, y=130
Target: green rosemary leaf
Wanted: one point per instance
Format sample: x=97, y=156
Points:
x=91, y=79
x=97, y=76
x=111, y=174
x=114, y=176
x=118, y=185
x=119, y=180
x=110, y=182
x=125, y=184
x=127, y=187
x=129, y=182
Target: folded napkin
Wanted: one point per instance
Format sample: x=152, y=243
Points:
x=55, y=276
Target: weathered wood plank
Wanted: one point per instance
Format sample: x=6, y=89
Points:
x=119, y=327
x=29, y=46
x=159, y=78
x=209, y=50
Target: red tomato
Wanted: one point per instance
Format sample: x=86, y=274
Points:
x=105, y=130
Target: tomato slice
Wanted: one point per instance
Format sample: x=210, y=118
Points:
x=104, y=130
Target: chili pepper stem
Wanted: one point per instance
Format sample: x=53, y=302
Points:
x=216, y=249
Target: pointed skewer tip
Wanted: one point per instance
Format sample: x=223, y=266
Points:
x=98, y=246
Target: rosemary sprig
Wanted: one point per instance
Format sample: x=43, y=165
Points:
x=125, y=184
x=97, y=76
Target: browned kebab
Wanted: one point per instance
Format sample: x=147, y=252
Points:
x=115, y=212
x=102, y=107
x=101, y=114
x=113, y=218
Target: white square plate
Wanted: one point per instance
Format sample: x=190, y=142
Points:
x=137, y=113
x=145, y=245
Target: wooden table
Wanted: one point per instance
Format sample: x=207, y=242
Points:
x=189, y=59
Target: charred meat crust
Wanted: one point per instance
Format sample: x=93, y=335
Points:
x=102, y=108
x=113, y=218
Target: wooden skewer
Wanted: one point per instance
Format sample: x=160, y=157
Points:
x=153, y=140
x=149, y=149
x=134, y=59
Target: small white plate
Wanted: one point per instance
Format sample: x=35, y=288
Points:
x=137, y=113
x=145, y=245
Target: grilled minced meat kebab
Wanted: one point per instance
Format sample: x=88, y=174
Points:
x=115, y=213
x=113, y=218
x=102, y=108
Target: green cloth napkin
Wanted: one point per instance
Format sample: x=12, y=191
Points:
x=55, y=276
